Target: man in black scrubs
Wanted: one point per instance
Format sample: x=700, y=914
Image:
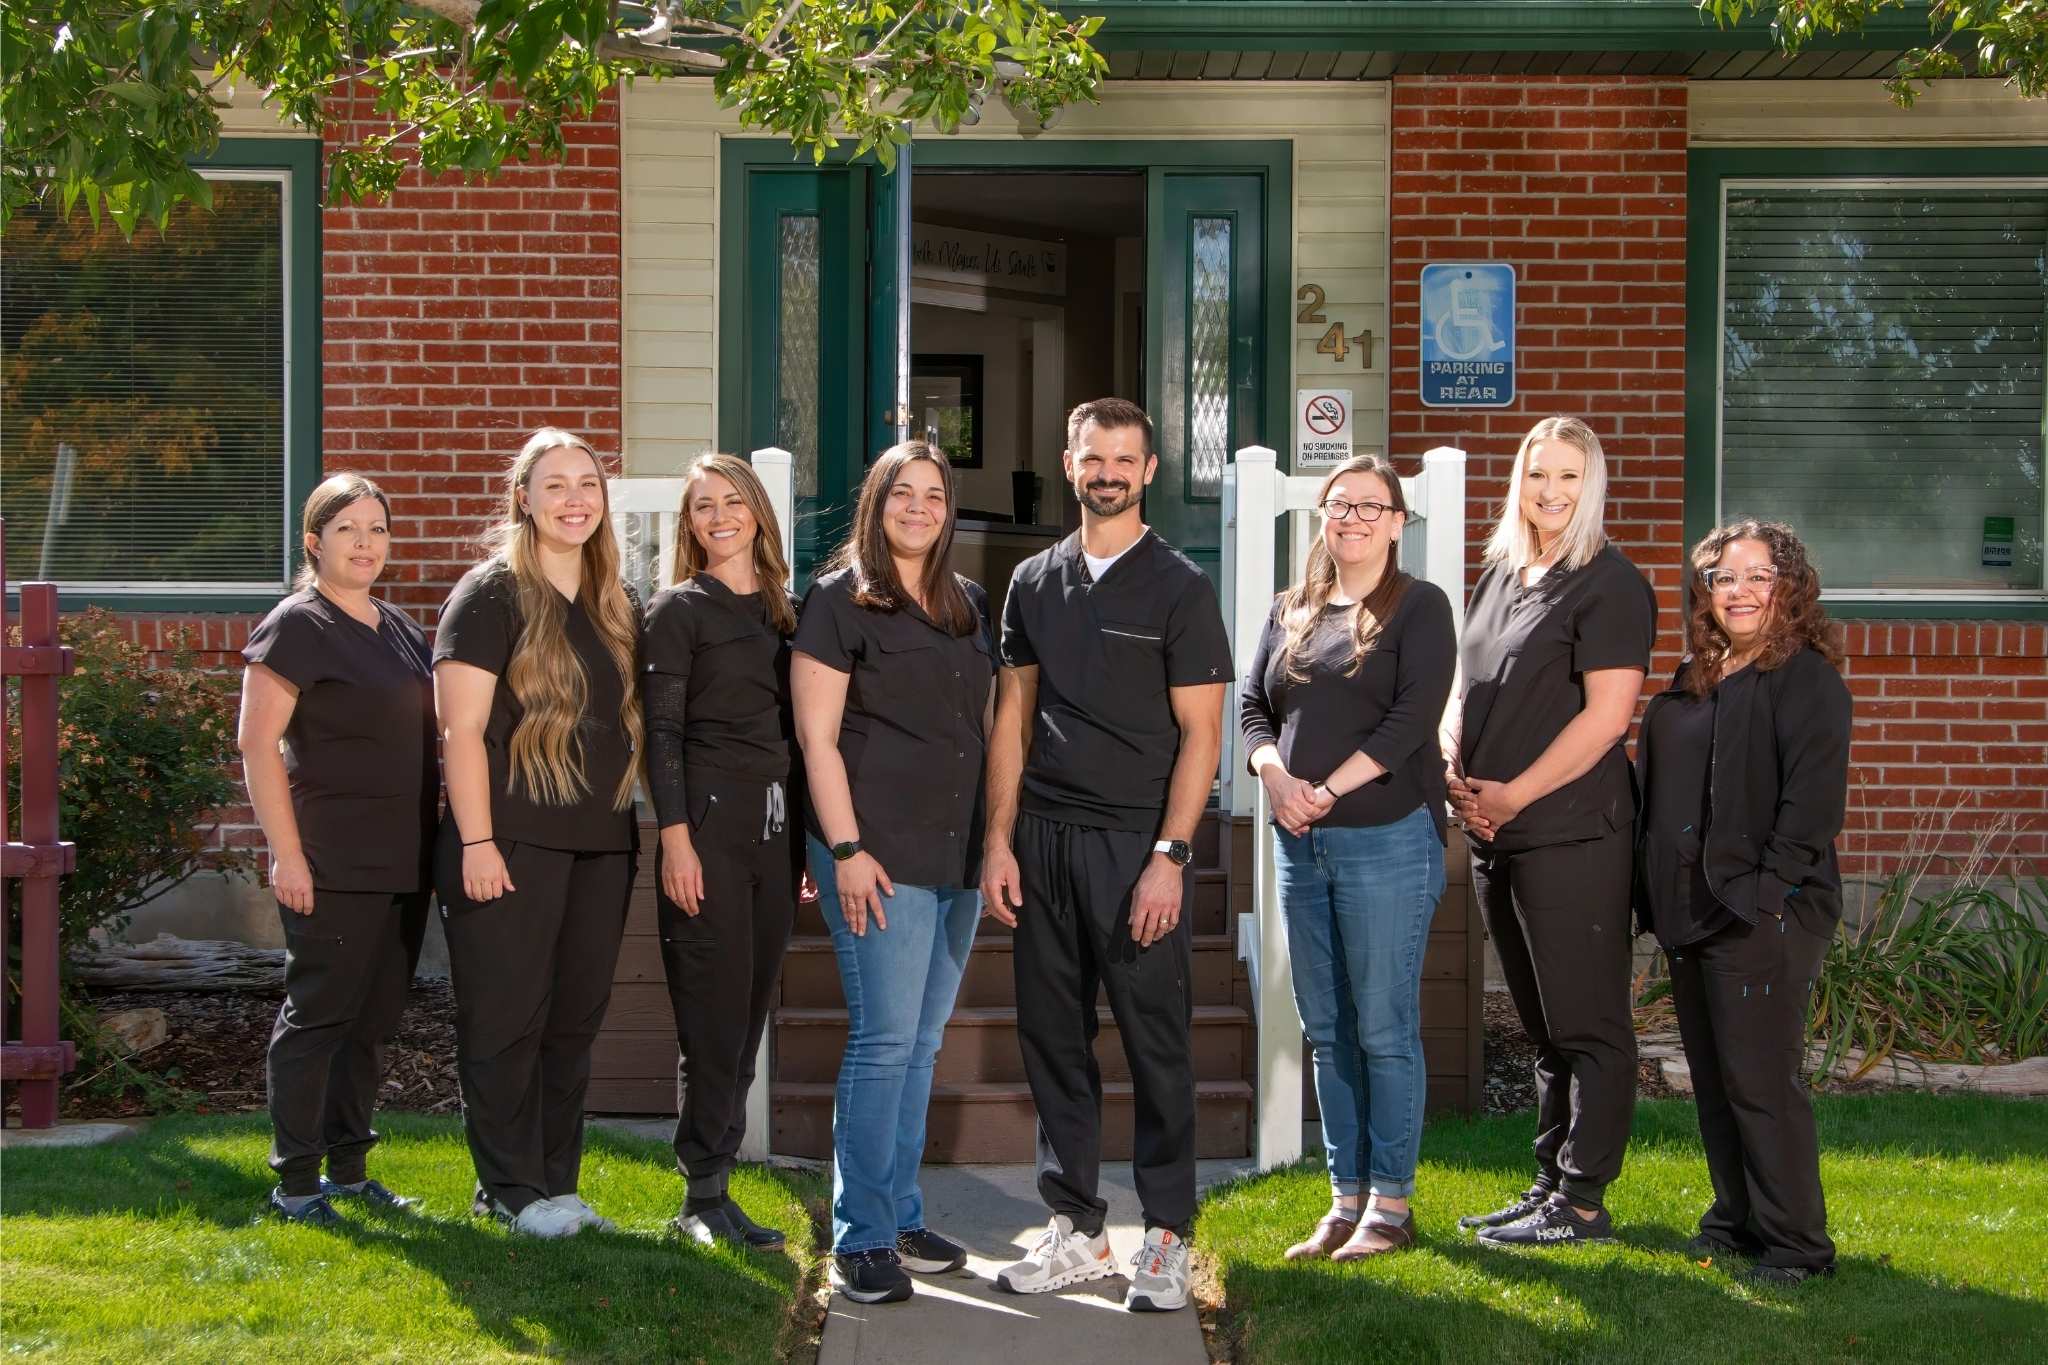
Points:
x=1108, y=726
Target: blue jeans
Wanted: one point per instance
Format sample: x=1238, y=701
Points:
x=899, y=984
x=1358, y=902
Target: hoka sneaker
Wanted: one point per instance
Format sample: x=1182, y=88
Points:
x=547, y=1218
x=1517, y=1209
x=369, y=1191
x=1061, y=1257
x=1552, y=1225
x=870, y=1276
x=590, y=1216
x=927, y=1253
x=1159, y=1274
x=312, y=1209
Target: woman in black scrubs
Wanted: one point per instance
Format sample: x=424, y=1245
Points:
x=535, y=677
x=1557, y=641
x=893, y=683
x=1745, y=774
x=340, y=680
x=719, y=739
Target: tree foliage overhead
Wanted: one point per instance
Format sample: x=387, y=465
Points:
x=2007, y=38
x=108, y=100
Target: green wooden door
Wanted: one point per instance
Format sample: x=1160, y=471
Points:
x=1205, y=348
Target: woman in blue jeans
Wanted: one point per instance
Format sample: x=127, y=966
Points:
x=892, y=682
x=1340, y=711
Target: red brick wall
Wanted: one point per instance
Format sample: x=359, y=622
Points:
x=457, y=318
x=1580, y=184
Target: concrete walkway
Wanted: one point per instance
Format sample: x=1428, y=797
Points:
x=995, y=1212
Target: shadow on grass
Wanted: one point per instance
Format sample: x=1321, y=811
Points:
x=621, y=1295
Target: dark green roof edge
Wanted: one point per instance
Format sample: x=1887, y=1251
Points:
x=1455, y=26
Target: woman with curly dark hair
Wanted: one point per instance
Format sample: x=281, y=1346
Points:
x=1744, y=770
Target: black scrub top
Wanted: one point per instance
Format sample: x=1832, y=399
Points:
x=359, y=749
x=1104, y=738
x=1676, y=810
x=1525, y=653
x=1388, y=708
x=481, y=626
x=714, y=676
x=911, y=736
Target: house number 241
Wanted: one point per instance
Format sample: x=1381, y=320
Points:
x=1332, y=342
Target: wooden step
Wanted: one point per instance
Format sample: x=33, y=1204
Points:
x=997, y=1122
x=1210, y=912
x=981, y=1045
x=810, y=973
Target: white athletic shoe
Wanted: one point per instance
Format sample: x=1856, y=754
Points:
x=548, y=1218
x=1061, y=1257
x=1159, y=1274
x=590, y=1216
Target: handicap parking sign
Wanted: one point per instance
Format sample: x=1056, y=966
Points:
x=1468, y=335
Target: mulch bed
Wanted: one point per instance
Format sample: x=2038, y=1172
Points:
x=216, y=1040
x=1511, y=1057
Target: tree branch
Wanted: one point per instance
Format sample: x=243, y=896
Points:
x=461, y=12
x=657, y=54
x=874, y=57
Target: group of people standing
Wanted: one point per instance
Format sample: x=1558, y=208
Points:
x=1050, y=777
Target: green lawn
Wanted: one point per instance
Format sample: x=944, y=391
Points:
x=1938, y=1206
x=151, y=1250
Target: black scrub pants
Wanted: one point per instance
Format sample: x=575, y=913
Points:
x=347, y=967
x=1560, y=920
x=1741, y=1000
x=1073, y=935
x=722, y=967
x=532, y=972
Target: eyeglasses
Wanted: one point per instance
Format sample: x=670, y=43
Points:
x=1760, y=579
x=1336, y=509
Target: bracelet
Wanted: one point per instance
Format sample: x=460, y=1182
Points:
x=487, y=839
x=1324, y=788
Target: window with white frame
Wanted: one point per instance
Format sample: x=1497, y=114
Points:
x=144, y=424
x=1881, y=363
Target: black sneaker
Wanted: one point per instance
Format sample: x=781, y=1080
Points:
x=316, y=1210
x=1789, y=1275
x=1707, y=1244
x=1552, y=1225
x=708, y=1227
x=751, y=1232
x=870, y=1276
x=1522, y=1206
x=370, y=1192
x=927, y=1253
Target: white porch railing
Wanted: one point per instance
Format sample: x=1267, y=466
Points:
x=1255, y=496
x=644, y=518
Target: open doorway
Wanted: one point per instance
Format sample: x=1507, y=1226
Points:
x=1027, y=297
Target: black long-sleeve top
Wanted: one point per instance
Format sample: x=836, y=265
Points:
x=715, y=687
x=1777, y=780
x=1388, y=709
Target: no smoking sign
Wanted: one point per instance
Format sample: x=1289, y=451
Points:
x=1322, y=428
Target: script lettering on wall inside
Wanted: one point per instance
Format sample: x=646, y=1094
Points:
x=1333, y=343
x=987, y=260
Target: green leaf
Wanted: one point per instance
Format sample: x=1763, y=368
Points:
x=135, y=92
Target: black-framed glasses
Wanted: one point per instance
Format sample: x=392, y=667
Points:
x=1760, y=578
x=1336, y=509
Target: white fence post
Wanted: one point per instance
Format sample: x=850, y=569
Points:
x=777, y=468
x=1439, y=495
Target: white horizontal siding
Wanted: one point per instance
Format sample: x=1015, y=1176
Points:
x=1952, y=113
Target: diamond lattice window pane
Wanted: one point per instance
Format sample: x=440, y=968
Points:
x=797, y=341
x=1208, y=357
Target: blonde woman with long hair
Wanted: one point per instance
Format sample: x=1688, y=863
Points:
x=1557, y=642
x=719, y=739
x=535, y=668
x=1339, y=711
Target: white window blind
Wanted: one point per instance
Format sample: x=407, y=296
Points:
x=142, y=421
x=1882, y=379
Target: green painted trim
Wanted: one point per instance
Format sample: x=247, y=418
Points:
x=299, y=158
x=1464, y=26
x=1706, y=169
x=1132, y=154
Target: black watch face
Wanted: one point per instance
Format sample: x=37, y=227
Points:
x=1180, y=852
x=841, y=852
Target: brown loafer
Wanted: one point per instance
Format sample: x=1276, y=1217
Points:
x=1330, y=1234
x=1376, y=1235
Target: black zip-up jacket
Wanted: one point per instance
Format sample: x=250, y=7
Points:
x=1778, y=791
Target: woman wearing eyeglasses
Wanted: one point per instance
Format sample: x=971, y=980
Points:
x=1339, y=713
x=1557, y=641
x=1744, y=765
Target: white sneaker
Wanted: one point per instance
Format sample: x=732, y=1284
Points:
x=590, y=1216
x=1061, y=1257
x=1159, y=1274
x=548, y=1218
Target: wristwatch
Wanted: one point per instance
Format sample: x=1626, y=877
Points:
x=1177, y=851
x=841, y=852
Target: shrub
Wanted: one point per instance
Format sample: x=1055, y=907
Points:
x=146, y=757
